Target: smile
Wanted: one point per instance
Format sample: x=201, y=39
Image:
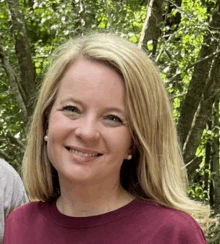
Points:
x=82, y=154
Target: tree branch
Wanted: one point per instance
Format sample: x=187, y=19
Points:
x=179, y=8
x=13, y=82
x=162, y=50
x=5, y=156
x=15, y=141
x=193, y=64
x=193, y=164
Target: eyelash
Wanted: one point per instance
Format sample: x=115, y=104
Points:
x=111, y=117
x=114, y=117
x=69, y=108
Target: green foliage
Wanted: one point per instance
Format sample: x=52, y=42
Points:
x=10, y=114
x=197, y=193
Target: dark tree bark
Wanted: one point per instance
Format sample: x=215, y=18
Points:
x=207, y=161
x=151, y=28
x=211, y=194
x=194, y=164
x=27, y=87
x=174, y=20
x=14, y=83
x=199, y=79
x=215, y=159
x=203, y=114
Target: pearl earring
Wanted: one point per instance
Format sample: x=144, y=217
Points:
x=45, y=138
x=129, y=157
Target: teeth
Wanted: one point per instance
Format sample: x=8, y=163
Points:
x=83, y=154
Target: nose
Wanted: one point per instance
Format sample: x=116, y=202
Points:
x=88, y=129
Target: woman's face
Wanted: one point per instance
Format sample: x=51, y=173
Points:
x=88, y=134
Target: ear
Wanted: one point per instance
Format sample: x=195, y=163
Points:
x=132, y=149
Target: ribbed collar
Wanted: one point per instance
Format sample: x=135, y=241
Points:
x=83, y=222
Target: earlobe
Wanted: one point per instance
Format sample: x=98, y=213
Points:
x=46, y=136
x=131, y=151
x=129, y=157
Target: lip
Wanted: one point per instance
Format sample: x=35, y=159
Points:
x=82, y=159
x=82, y=150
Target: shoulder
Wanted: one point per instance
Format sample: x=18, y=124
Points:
x=9, y=175
x=171, y=223
x=12, y=189
x=6, y=168
x=168, y=215
x=23, y=222
x=26, y=216
x=26, y=212
x=25, y=209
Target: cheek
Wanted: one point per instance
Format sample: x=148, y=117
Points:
x=51, y=150
x=121, y=141
x=57, y=128
x=54, y=143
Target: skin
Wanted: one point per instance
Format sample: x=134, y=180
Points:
x=89, y=113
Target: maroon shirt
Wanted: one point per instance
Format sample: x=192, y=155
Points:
x=136, y=223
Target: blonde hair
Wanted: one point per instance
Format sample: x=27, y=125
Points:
x=156, y=172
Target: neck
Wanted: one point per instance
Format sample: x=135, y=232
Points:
x=85, y=200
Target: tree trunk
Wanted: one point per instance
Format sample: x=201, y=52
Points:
x=215, y=159
x=151, y=28
x=27, y=87
x=199, y=78
x=211, y=194
x=14, y=83
x=211, y=89
x=207, y=161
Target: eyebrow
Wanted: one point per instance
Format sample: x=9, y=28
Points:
x=72, y=100
x=81, y=104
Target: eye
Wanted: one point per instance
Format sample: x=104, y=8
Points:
x=70, y=109
x=113, y=118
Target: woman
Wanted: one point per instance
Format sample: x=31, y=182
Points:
x=102, y=163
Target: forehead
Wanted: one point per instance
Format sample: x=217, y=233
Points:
x=93, y=81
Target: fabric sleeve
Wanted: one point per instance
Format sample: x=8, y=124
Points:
x=184, y=230
x=12, y=193
x=192, y=235
x=15, y=194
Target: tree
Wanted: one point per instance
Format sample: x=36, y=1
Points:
x=215, y=158
x=198, y=91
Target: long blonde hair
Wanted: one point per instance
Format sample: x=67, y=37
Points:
x=156, y=172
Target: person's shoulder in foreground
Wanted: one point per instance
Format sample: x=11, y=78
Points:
x=12, y=193
x=138, y=222
x=174, y=226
